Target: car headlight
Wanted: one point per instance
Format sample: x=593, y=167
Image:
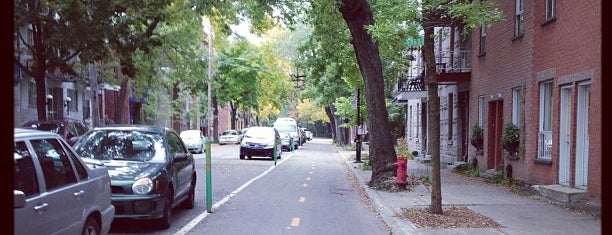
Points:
x=243, y=143
x=269, y=145
x=142, y=186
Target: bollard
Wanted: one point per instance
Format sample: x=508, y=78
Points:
x=208, y=178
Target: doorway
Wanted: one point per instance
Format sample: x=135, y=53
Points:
x=494, y=134
x=565, y=135
x=582, y=135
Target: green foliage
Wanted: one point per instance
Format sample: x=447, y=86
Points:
x=510, y=138
x=476, y=137
x=467, y=170
x=367, y=165
x=402, y=148
x=501, y=178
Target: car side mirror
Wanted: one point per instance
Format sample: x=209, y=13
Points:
x=19, y=199
x=180, y=157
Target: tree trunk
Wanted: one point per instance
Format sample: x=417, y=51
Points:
x=177, y=108
x=433, y=104
x=93, y=83
x=215, y=124
x=232, y=116
x=332, y=120
x=357, y=14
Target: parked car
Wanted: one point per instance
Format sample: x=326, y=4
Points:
x=194, y=139
x=308, y=134
x=290, y=126
x=286, y=141
x=69, y=129
x=151, y=170
x=261, y=141
x=55, y=191
x=230, y=136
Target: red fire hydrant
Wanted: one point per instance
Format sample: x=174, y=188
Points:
x=401, y=171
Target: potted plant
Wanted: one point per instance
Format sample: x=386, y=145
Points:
x=510, y=139
x=477, y=139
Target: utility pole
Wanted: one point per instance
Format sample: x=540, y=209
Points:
x=210, y=57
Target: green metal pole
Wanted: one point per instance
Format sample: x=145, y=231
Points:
x=274, y=152
x=292, y=145
x=208, y=178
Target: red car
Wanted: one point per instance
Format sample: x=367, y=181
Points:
x=70, y=129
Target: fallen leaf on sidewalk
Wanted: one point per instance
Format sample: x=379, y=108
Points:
x=452, y=217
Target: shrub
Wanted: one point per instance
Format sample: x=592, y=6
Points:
x=510, y=138
x=477, y=138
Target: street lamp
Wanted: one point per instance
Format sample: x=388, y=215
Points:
x=67, y=105
x=48, y=103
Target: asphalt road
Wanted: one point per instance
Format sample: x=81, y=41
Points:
x=308, y=191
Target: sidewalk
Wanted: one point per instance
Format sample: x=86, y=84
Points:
x=517, y=214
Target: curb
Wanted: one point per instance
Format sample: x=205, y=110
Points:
x=396, y=226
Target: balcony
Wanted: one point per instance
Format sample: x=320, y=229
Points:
x=452, y=67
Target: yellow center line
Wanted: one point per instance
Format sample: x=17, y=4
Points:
x=295, y=222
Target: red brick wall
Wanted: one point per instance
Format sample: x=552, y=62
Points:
x=507, y=64
x=568, y=50
x=571, y=45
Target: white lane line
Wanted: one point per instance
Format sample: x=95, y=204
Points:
x=193, y=223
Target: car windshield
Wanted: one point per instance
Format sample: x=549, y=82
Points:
x=122, y=145
x=285, y=128
x=260, y=133
x=53, y=127
x=230, y=132
x=190, y=134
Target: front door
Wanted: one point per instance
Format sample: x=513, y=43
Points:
x=564, y=135
x=495, y=123
x=582, y=135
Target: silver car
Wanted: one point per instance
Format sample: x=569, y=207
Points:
x=55, y=191
x=230, y=136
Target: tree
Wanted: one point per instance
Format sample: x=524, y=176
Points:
x=42, y=47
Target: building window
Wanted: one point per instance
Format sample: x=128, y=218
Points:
x=418, y=120
x=73, y=99
x=550, y=9
x=516, y=106
x=483, y=38
x=410, y=126
x=518, y=18
x=480, y=109
x=545, y=130
x=32, y=93
x=450, y=115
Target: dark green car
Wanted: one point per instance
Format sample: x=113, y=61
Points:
x=151, y=169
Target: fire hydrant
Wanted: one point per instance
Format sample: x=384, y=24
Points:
x=401, y=171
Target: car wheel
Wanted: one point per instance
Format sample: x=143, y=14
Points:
x=189, y=203
x=241, y=157
x=166, y=219
x=91, y=227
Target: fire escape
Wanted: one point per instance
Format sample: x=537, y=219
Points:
x=452, y=65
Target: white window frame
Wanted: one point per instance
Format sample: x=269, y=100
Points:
x=551, y=11
x=480, y=110
x=483, y=39
x=545, y=120
x=518, y=18
x=516, y=106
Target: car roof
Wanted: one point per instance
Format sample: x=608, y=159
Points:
x=63, y=120
x=26, y=132
x=126, y=127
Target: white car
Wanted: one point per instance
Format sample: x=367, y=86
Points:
x=55, y=190
x=230, y=136
x=194, y=139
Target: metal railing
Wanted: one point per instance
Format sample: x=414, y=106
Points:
x=545, y=144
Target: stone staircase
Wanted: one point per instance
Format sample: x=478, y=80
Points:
x=561, y=193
